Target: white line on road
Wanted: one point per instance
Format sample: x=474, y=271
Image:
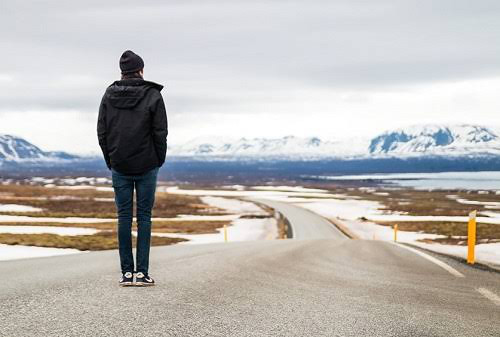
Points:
x=489, y=295
x=443, y=265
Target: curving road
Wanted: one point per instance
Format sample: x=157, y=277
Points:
x=320, y=286
x=305, y=224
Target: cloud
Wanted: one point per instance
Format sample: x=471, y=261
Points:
x=228, y=57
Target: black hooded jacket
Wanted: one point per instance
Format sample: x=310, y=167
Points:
x=132, y=126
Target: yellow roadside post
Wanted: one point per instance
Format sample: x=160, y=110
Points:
x=395, y=232
x=225, y=233
x=471, y=237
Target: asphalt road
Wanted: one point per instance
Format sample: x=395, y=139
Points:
x=305, y=224
x=321, y=286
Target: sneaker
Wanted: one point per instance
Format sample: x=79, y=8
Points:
x=143, y=280
x=126, y=279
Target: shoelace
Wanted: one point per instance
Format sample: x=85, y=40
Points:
x=141, y=275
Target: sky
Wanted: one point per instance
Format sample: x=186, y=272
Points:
x=234, y=68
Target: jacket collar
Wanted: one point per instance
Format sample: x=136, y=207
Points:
x=133, y=82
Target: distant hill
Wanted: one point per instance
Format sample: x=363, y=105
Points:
x=436, y=140
x=16, y=149
x=414, y=141
x=424, y=148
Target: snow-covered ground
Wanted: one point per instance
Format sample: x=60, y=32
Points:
x=24, y=218
x=348, y=209
x=486, y=204
x=273, y=192
x=349, y=212
x=47, y=230
x=402, y=217
x=181, y=217
x=289, y=189
x=234, y=206
x=486, y=253
x=18, y=208
x=9, y=252
x=239, y=229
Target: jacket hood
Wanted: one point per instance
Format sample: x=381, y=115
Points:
x=128, y=93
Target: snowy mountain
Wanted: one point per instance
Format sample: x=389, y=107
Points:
x=15, y=149
x=422, y=141
x=289, y=147
x=436, y=140
x=413, y=141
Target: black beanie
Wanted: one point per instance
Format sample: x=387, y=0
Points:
x=130, y=62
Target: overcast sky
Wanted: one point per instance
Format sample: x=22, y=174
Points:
x=332, y=69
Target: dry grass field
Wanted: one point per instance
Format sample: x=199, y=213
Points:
x=100, y=241
x=456, y=232
x=92, y=203
x=435, y=203
x=416, y=202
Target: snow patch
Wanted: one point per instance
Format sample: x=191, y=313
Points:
x=18, y=208
x=233, y=205
x=70, y=231
x=239, y=230
x=10, y=252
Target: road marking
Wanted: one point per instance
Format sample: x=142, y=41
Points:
x=489, y=295
x=440, y=263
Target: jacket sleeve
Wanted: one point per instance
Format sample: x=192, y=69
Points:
x=102, y=132
x=159, y=128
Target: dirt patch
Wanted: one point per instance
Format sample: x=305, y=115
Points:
x=191, y=227
x=416, y=202
x=99, y=241
x=82, y=203
x=450, y=229
x=457, y=241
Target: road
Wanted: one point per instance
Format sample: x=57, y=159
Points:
x=305, y=224
x=325, y=285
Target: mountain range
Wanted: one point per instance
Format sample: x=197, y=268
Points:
x=16, y=149
x=419, y=141
x=413, y=141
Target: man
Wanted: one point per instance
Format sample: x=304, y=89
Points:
x=132, y=132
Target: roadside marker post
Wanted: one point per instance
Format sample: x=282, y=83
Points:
x=396, y=233
x=225, y=233
x=471, y=237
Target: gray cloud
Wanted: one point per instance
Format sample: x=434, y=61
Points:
x=216, y=55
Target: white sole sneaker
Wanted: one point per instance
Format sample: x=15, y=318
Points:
x=126, y=284
x=144, y=284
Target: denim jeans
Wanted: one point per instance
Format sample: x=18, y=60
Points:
x=145, y=187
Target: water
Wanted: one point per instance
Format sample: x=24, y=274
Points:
x=482, y=180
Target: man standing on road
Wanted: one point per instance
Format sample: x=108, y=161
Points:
x=132, y=132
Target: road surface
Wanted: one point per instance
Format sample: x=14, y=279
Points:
x=305, y=224
x=325, y=285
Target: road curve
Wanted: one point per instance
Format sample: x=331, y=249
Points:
x=305, y=224
x=310, y=287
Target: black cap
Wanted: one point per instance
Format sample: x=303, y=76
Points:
x=130, y=62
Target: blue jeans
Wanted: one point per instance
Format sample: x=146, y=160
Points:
x=145, y=187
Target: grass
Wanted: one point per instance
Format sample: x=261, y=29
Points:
x=99, y=241
x=417, y=202
x=32, y=191
x=82, y=203
x=166, y=205
x=191, y=227
x=456, y=232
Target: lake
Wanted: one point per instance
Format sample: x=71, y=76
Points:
x=481, y=180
